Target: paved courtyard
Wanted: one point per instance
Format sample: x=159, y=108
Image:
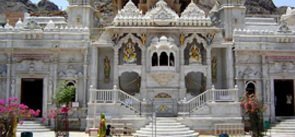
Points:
x=82, y=134
x=51, y=134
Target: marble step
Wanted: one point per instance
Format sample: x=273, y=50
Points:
x=284, y=127
x=165, y=127
x=149, y=135
x=188, y=132
x=164, y=130
x=32, y=126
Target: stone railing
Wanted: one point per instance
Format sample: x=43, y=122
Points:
x=232, y=129
x=212, y=95
x=254, y=32
x=203, y=22
x=9, y=28
x=114, y=95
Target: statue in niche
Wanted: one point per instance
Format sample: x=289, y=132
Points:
x=143, y=38
x=181, y=39
x=12, y=86
x=214, y=69
x=107, y=69
x=195, y=55
x=129, y=53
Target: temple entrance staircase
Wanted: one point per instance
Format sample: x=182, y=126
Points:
x=165, y=127
x=119, y=104
x=32, y=126
x=137, y=106
x=285, y=126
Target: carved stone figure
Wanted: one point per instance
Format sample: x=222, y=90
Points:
x=181, y=39
x=107, y=69
x=195, y=55
x=143, y=38
x=12, y=86
x=214, y=69
x=129, y=53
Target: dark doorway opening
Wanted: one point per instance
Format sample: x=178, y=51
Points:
x=163, y=59
x=32, y=93
x=284, y=97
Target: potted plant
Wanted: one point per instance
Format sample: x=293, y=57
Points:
x=63, y=98
x=65, y=95
x=253, y=108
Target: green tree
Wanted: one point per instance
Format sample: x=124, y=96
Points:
x=65, y=94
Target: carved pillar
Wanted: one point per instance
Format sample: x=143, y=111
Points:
x=266, y=87
x=182, y=75
x=143, y=73
x=264, y=77
x=116, y=63
x=50, y=93
x=17, y=87
x=45, y=96
x=55, y=73
x=94, y=59
x=272, y=108
x=84, y=97
x=8, y=75
x=209, y=75
x=229, y=68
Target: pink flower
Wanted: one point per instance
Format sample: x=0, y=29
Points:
x=23, y=106
x=2, y=102
x=43, y=120
x=64, y=110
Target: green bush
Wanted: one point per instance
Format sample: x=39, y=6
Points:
x=65, y=94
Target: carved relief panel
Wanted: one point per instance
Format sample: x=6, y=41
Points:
x=281, y=64
x=249, y=72
x=70, y=71
x=32, y=67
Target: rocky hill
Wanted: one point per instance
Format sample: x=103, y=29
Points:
x=105, y=8
x=263, y=7
x=26, y=6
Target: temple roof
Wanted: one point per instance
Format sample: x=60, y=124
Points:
x=193, y=11
x=161, y=15
x=129, y=11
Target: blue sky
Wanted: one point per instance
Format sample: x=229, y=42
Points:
x=64, y=3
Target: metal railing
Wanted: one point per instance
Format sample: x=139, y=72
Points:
x=211, y=95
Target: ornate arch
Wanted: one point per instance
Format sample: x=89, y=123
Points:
x=191, y=38
x=163, y=44
x=163, y=95
x=250, y=84
x=71, y=82
x=133, y=39
x=137, y=71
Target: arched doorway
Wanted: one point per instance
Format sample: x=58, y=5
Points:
x=32, y=93
x=284, y=97
x=163, y=59
x=130, y=82
x=195, y=83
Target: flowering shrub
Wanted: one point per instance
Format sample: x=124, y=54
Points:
x=254, y=109
x=53, y=112
x=11, y=112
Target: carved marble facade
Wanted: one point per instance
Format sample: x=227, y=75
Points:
x=51, y=53
x=159, y=54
